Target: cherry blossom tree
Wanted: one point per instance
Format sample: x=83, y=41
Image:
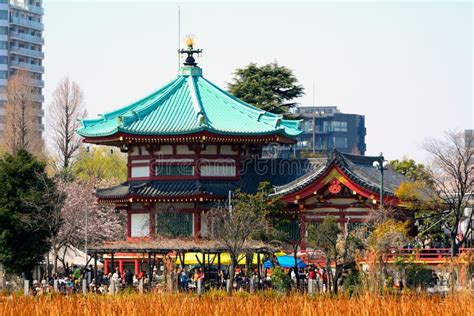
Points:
x=103, y=221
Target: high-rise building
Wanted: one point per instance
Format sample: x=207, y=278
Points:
x=325, y=128
x=21, y=48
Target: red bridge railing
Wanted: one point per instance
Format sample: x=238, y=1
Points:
x=433, y=255
x=423, y=254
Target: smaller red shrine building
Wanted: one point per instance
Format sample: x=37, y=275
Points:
x=343, y=186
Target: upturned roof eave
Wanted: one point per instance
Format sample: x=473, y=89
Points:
x=116, y=131
x=339, y=161
x=122, y=120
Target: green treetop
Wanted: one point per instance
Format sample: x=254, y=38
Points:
x=270, y=87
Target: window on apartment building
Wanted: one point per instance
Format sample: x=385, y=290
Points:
x=3, y=74
x=3, y=15
x=3, y=30
x=3, y=45
x=340, y=142
x=3, y=59
x=339, y=126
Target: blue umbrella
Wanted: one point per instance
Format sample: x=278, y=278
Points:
x=285, y=262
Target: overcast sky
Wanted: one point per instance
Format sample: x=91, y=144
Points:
x=406, y=66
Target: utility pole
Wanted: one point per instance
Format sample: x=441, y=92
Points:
x=87, y=225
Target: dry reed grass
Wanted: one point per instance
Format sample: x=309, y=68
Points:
x=177, y=305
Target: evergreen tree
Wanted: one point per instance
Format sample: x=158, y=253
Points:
x=270, y=87
x=28, y=212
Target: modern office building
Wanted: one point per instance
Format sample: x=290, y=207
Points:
x=21, y=47
x=325, y=128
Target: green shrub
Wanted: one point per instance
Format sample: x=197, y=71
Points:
x=280, y=280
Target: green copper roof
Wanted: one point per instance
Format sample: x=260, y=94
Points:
x=189, y=104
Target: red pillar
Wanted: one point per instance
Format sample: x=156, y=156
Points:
x=137, y=268
x=129, y=223
x=121, y=266
x=197, y=224
x=106, y=266
x=152, y=212
x=303, y=234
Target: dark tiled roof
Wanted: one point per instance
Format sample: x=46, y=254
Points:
x=253, y=172
x=286, y=175
x=358, y=168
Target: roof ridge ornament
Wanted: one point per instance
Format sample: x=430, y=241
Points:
x=190, y=51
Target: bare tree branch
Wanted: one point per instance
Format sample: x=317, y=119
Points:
x=65, y=111
x=453, y=174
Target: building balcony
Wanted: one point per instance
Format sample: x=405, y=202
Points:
x=20, y=5
x=27, y=66
x=37, y=83
x=27, y=52
x=26, y=7
x=27, y=38
x=27, y=23
x=37, y=97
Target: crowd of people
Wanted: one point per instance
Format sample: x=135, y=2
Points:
x=72, y=280
x=77, y=280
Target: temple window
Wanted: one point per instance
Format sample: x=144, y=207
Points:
x=174, y=170
x=174, y=224
x=218, y=168
x=140, y=225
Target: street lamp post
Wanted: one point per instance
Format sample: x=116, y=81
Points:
x=381, y=164
x=314, y=132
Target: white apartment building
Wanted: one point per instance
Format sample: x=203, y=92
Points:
x=21, y=47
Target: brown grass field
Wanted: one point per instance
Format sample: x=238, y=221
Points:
x=238, y=305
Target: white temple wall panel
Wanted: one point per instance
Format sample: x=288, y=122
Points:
x=165, y=150
x=140, y=224
x=209, y=150
x=183, y=150
x=140, y=171
x=227, y=150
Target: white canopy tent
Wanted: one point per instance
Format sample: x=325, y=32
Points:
x=73, y=256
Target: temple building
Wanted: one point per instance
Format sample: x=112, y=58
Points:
x=187, y=145
x=191, y=143
x=344, y=186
